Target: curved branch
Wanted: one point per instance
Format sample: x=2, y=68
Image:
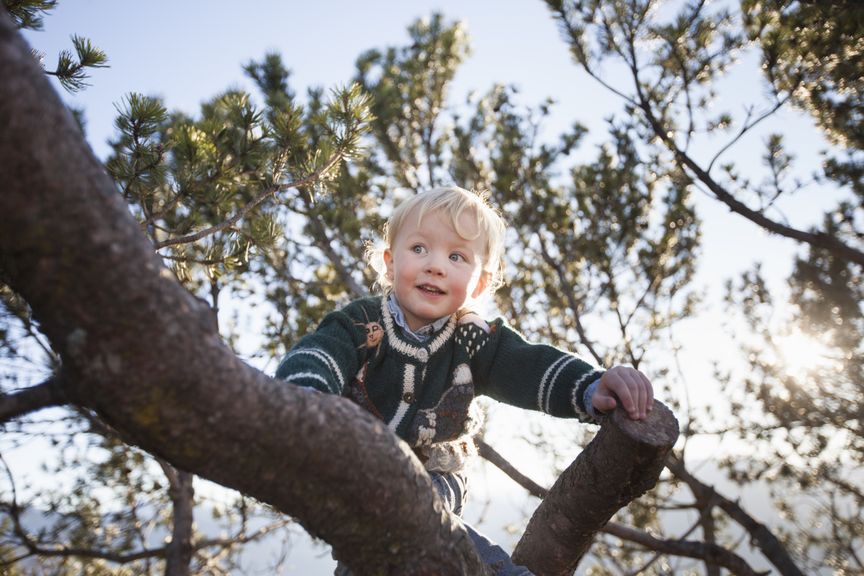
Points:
x=499, y=461
x=707, y=551
x=44, y=395
x=818, y=240
x=559, y=12
x=569, y=291
x=746, y=127
x=772, y=548
x=323, y=243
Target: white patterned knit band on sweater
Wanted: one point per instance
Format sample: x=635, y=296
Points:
x=421, y=353
x=544, y=393
x=325, y=359
x=587, y=398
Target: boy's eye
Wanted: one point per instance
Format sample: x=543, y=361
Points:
x=418, y=249
x=456, y=257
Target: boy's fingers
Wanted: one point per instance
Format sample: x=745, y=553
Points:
x=625, y=395
x=639, y=394
x=604, y=402
x=635, y=388
x=632, y=389
x=636, y=393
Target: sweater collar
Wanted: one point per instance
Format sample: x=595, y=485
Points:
x=413, y=349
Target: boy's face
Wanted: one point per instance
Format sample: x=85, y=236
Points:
x=433, y=269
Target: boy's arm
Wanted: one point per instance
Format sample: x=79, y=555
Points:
x=327, y=358
x=533, y=376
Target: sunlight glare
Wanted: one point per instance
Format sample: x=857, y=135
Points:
x=800, y=353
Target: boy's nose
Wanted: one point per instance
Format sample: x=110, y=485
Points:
x=434, y=266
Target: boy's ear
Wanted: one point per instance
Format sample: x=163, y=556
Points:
x=388, y=262
x=482, y=284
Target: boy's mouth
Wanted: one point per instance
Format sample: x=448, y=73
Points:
x=430, y=289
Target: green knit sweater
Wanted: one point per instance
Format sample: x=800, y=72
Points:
x=423, y=392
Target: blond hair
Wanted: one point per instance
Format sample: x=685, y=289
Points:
x=452, y=202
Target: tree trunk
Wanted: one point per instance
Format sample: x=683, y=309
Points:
x=143, y=353
x=621, y=463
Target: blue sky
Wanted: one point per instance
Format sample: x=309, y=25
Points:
x=188, y=51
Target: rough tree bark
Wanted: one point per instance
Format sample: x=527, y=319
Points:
x=621, y=463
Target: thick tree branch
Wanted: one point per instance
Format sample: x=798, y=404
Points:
x=115, y=314
x=44, y=395
x=622, y=462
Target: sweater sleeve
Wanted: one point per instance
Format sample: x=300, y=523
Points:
x=533, y=376
x=327, y=358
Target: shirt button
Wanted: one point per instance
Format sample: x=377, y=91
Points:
x=423, y=354
x=408, y=397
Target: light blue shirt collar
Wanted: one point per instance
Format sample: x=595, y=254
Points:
x=420, y=335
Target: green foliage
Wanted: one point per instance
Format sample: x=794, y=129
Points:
x=28, y=14
x=71, y=69
x=812, y=51
x=208, y=190
x=409, y=91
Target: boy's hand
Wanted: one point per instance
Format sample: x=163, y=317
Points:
x=631, y=387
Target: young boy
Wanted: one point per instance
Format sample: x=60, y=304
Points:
x=416, y=356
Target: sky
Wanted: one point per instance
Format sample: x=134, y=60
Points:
x=188, y=51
